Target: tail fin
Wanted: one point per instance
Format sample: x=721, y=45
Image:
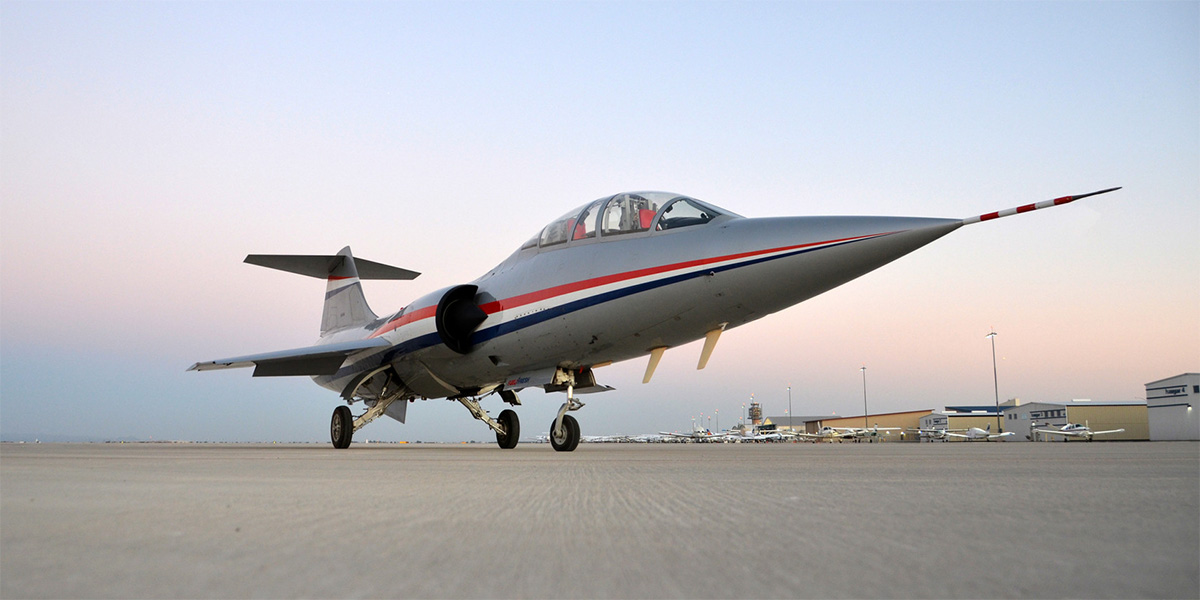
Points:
x=345, y=304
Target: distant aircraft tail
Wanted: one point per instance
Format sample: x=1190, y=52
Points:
x=345, y=304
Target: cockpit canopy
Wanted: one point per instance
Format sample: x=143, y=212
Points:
x=630, y=212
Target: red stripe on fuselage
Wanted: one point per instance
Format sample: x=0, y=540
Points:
x=568, y=288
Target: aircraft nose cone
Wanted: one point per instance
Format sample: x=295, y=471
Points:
x=796, y=258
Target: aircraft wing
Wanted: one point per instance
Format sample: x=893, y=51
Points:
x=958, y=435
x=993, y=436
x=1109, y=431
x=1057, y=432
x=324, y=359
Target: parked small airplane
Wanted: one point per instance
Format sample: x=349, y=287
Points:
x=845, y=433
x=974, y=434
x=825, y=433
x=697, y=434
x=1075, y=430
x=624, y=276
x=753, y=435
x=932, y=434
x=858, y=433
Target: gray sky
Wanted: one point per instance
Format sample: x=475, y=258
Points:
x=146, y=148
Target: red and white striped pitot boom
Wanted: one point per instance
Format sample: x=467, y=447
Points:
x=1032, y=207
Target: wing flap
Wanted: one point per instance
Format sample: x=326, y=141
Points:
x=324, y=359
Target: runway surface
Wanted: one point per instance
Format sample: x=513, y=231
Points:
x=607, y=521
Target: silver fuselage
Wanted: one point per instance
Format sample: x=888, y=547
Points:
x=612, y=298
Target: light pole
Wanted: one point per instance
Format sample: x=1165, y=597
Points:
x=864, y=372
x=789, y=408
x=718, y=411
x=996, y=381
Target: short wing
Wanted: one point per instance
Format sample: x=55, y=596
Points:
x=1001, y=435
x=958, y=435
x=325, y=359
x=1109, y=431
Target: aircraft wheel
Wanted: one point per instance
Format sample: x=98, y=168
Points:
x=512, y=425
x=570, y=437
x=341, y=427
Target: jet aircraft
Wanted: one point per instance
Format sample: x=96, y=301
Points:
x=1075, y=430
x=624, y=276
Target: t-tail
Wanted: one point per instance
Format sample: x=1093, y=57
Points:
x=345, y=305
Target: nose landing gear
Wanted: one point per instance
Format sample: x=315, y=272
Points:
x=564, y=430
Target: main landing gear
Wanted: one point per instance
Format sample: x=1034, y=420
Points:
x=343, y=424
x=564, y=430
x=341, y=429
x=507, y=427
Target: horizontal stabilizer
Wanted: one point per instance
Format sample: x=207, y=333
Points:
x=321, y=266
x=313, y=360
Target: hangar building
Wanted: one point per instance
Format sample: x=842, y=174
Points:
x=1171, y=404
x=1131, y=416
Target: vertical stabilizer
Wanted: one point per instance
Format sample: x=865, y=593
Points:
x=345, y=304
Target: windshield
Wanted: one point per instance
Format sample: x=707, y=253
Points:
x=683, y=212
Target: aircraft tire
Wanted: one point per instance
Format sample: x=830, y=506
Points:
x=512, y=425
x=341, y=427
x=570, y=439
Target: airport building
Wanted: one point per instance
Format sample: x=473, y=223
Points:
x=1131, y=416
x=1171, y=407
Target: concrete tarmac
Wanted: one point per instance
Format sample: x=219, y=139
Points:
x=890, y=520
